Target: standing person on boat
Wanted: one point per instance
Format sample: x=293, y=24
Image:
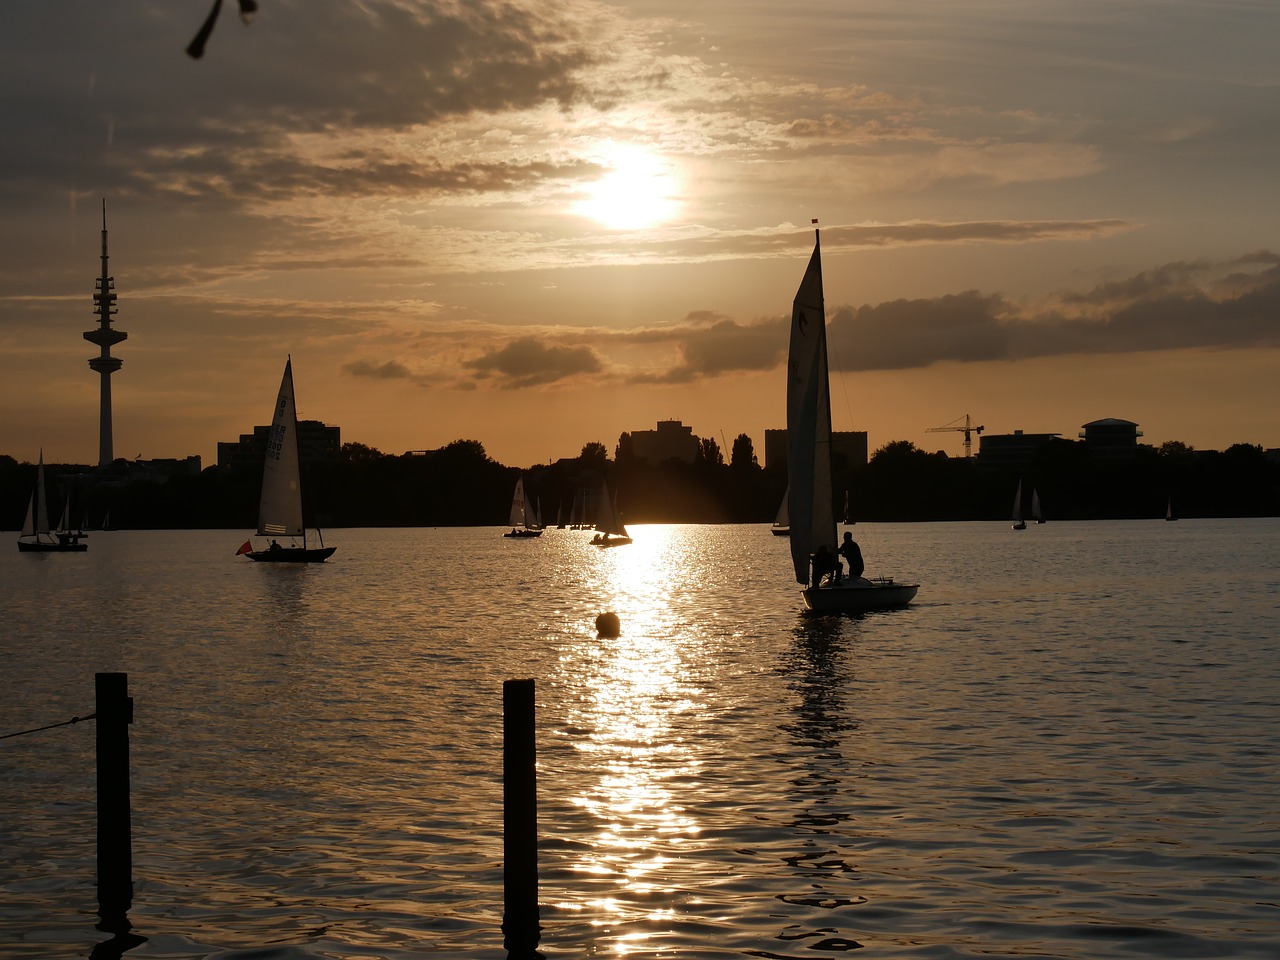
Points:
x=852, y=555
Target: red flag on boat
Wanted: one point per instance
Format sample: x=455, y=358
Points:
x=246, y=547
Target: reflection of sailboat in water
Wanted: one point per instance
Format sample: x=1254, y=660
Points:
x=280, y=508
x=817, y=673
x=612, y=532
x=524, y=516
x=810, y=503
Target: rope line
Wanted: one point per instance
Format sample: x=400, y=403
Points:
x=64, y=723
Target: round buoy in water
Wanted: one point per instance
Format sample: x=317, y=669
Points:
x=608, y=625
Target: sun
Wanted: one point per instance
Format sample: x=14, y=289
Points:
x=638, y=190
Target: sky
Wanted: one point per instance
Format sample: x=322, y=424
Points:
x=540, y=225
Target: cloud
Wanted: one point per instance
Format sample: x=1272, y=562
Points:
x=528, y=362
x=709, y=345
x=1176, y=306
x=391, y=370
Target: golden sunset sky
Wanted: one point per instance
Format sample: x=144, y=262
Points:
x=541, y=224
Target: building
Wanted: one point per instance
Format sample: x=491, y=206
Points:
x=1015, y=449
x=672, y=440
x=1111, y=439
x=848, y=449
x=317, y=443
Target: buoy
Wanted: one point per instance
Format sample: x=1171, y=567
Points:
x=608, y=625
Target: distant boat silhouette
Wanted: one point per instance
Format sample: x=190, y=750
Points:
x=612, y=532
x=524, y=516
x=35, y=536
x=280, y=507
x=1018, y=522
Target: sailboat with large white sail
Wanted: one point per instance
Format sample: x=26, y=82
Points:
x=524, y=519
x=35, y=536
x=810, y=504
x=611, y=532
x=280, y=507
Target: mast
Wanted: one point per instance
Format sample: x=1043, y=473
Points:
x=105, y=337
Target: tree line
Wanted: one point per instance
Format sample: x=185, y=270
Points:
x=460, y=485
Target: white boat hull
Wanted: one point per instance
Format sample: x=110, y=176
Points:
x=853, y=595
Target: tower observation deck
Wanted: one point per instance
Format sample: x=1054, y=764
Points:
x=105, y=337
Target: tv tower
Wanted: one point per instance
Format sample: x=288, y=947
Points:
x=105, y=337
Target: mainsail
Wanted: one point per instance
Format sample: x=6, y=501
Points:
x=809, y=506
x=280, y=509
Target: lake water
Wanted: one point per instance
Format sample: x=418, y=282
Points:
x=1067, y=747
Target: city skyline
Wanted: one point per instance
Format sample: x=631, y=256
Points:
x=539, y=228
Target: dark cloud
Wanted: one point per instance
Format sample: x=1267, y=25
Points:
x=709, y=345
x=391, y=370
x=95, y=92
x=1172, y=307
x=528, y=362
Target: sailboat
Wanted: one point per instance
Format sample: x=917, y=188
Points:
x=781, y=524
x=809, y=502
x=35, y=536
x=524, y=518
x=1036, y=513
x=1018, y=522
x=1168, y=510
x=611, y=531
x=846, y=517
x=280, y=507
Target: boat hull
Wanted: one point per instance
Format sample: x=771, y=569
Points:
x=611, y=542
x=292, y=555
x=41, y=546
x=522, y=534
x=853, y=595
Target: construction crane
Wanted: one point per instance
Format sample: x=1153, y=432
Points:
x=967, y=428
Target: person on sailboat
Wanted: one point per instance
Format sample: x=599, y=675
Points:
x=852, y=555
x=824, y=562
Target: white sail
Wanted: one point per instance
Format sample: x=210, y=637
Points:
x=783, y=518
x=517, y=505
x=37, y=521
x=607, y=520
x=813, y=522
x=280, y=509
x=1017, y=503
x=1035, y=505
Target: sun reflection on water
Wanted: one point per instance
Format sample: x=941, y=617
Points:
x=635, y=690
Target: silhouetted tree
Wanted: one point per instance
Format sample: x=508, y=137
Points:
x=360, y=453
x=709, y=451
x=594, y=454
x=743, y=454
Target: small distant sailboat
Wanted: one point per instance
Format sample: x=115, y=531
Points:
x=1168, y=510
x=280, y=507
x=611, y=532
x=1018, y=522
x=524, y=517
x=35, y=536
x=781, y=524
x=1036, y=513
x=810, y=501
x=847, y=518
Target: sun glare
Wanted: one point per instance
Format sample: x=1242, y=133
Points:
x=637, y=190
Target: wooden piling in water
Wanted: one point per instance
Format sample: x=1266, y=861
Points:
x=115, y=839
x=521, y=929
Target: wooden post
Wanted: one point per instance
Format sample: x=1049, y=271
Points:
x=521, y=930
x=115, y=844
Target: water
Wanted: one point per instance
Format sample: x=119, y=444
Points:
x=1065, y=748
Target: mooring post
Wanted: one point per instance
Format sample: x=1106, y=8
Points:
x=521, y=930
x=115, y=841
